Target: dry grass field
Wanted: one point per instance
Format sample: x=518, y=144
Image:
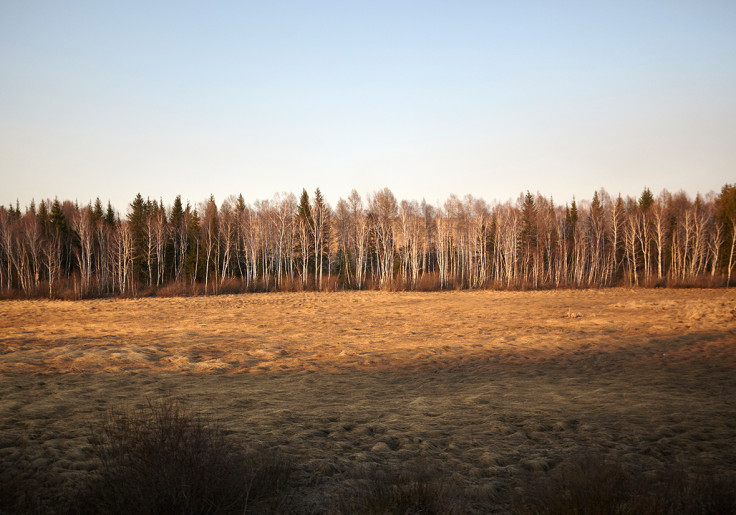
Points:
x=487, y=392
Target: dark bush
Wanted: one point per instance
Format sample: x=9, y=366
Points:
x=165, y=460
x=588, y=484
x=19, y=488
x=419, y=488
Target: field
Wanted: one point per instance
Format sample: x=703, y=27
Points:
x=491, y=391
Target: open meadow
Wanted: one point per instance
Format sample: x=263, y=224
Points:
x=484, y=394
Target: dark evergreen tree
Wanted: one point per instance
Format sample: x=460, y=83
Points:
x=43, y=217
x=574, y=212
x=304, y=229
x=726, y=215
x=304, y=210
x=596, y=209
x=193, y=264
x=136, y=220
x=97, y=211
x=323, y=226
x=646, y=200
x=177, y=212
x=619, y=250
x=60, y=226
x=571, y=218
x=109, y=215
x=14, y=212
x=57, y=218
x=528, y=219
x=726, y=203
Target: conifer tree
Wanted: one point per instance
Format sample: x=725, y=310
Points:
x=320, y=234
x=304, y=227
x=209, y=240
x=60, y=225
x=179, y=228
x=43, y=216
x=646, y=200
x=109, y=215
x=97, y=211
x=192, y=264
x=574, y=212
x=57, y=218
x=617, y=226
x=135, y=219
x=726, y=215
x=528, y=219
x=177, y=212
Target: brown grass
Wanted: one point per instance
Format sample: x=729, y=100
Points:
x=501, y=388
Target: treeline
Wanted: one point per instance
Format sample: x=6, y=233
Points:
x=63, y=250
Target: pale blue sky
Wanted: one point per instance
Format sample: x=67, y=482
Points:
x=428, y=98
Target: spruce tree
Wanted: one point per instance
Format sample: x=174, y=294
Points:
x=57, y=218
x=596, y=209
x=135, y=219
x=320, y=233
x=177, y=212
x=304, y=210
x=528, y=219
x=109, y=215
x=304, y=242
x=726, y=215
x=194, y=255
x=726, y=204
x=43, y=217
x=646, y=200
x=97, y=211
x=60, y=225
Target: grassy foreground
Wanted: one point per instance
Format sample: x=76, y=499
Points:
x=386, y=403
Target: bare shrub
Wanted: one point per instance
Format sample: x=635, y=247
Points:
x=19, y=486
x=64, y=289
x=291, y=284
x=428, y=282
x=697, y=492
x=230, y=286
x=331, y=283
x=165, y=460
x=591, y=485
x=174, y=289
x=583, y=484
x=11, y=293
x=419, y=488
x=701, y=281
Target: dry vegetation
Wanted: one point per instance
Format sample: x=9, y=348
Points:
x=387, y=402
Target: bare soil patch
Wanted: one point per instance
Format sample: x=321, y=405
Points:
x=489, y=388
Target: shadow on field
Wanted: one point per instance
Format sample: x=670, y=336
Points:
x=165, y=460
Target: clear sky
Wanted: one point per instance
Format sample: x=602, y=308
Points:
x=429, y=98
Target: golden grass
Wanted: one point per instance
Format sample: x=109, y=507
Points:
x=495, y=386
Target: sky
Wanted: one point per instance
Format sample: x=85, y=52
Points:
x=109, y=99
